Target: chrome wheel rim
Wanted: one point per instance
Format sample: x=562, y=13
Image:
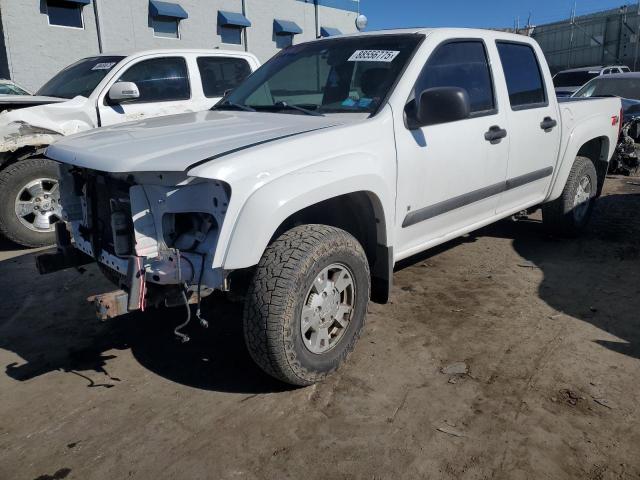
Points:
x=37, y=205
x=582, y=199
x=328, y=308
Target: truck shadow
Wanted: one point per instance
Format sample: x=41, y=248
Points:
x=47, y=322
x=595, y=278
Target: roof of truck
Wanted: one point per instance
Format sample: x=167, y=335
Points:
x=593, y=68
x=169, y=51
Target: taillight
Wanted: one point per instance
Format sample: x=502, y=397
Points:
x=620, y=121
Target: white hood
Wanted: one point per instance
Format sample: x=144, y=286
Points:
x=64, y=117
x=177, y=142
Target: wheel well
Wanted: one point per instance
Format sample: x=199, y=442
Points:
x=9, y=158
x=597, y=150
x=360, y=214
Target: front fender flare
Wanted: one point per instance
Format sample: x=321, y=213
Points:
x=272, y=203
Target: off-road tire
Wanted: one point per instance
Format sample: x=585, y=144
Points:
x=558, y=216
x=272, y=311
x=12, y=179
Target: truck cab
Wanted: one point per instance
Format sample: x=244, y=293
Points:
x=304, y=186
x=95, y=92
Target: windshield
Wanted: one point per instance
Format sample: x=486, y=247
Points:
x=573, y=79
x=11, y=89
x=81, y=78
x=327, y=76
x=608, y=87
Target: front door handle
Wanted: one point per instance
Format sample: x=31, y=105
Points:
x=548, y=124
x=495, y=134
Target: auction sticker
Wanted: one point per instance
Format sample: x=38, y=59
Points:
x=103, y=66
x=374, y=56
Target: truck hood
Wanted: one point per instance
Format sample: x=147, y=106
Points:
x=178, y=142
x=58, y=115
x=8, y=102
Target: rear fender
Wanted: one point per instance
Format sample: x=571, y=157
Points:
x=580, y=136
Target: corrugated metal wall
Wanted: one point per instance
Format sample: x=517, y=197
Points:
x=604, y=38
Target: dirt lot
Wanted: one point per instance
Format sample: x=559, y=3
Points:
x=550, y=331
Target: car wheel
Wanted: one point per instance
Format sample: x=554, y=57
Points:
x=569, y=214
x=307, y=303
x=30, y=202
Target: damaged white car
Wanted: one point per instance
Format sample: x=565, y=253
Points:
x=336, y=159
x=94, y=92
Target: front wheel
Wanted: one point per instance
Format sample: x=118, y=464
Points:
x=570, y=213
x=307, y=303
x=30, y=202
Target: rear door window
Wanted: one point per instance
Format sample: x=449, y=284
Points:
x=220, y=74
x=463, y=64
x=160, y=79
x=523, y=75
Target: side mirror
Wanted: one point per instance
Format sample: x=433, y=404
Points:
x=439, y=105
x=121, y=92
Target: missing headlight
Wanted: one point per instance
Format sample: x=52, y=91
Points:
x=186, y=231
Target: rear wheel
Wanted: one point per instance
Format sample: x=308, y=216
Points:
x=307, y=303
x=30, y=202
x=570, y=213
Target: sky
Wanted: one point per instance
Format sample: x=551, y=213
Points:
x=475, y=13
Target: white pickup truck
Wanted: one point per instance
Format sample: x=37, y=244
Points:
x=336, y=159
x=96, y=92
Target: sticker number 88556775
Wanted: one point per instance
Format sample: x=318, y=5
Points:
x=374, y=56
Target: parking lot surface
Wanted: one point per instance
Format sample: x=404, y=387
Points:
x=505, y=354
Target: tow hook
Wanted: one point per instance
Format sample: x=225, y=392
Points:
x=119, y=302
x=110, y=305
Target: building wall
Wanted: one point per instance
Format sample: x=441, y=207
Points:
x=34, y=50
x=603, y=38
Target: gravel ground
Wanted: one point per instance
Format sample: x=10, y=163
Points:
x=547, y=331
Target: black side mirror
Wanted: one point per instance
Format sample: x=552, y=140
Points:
x=439, y=105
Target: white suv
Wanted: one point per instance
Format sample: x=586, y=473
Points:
x=567, y=82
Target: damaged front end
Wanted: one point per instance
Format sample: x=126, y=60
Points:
x=153, y=234
x=626, y=159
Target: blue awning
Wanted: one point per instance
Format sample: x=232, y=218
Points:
x=329, y=32
x=79, y=2
x=286, y=27
x=166, y=9
x=232, y=19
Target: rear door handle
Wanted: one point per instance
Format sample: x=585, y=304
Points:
x=548, y=124
x=495, y=133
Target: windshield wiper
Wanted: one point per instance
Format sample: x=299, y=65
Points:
x=285, y=105
x=227, y=103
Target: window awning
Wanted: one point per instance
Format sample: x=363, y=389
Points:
x=286, y=27
x=329, y=32
x=166, y=9
x=232, y=19
x=79, y=2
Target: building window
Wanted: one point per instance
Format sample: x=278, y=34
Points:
x=65, y=13
x=284, y=30
x=231, y=35
x=284, y=41
x=165, y=27
x=165, y=17
x=231, y=26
